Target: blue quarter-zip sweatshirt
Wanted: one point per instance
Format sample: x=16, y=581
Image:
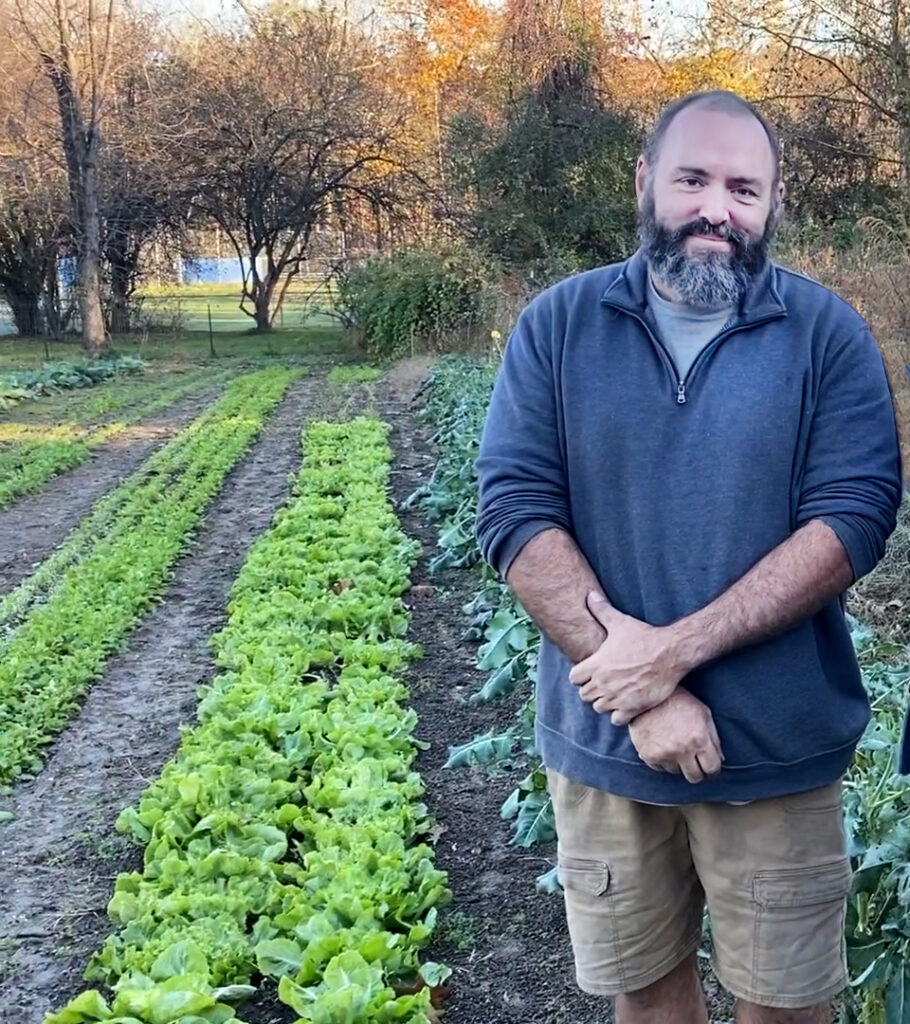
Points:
x=674, y=487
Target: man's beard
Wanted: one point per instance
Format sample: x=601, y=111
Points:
x=712, y=279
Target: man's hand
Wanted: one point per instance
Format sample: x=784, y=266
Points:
x=678, y=736
x=636, y=668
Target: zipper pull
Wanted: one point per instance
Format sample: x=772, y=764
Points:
x=681, y=393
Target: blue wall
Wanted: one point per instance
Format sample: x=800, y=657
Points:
x=210, y=270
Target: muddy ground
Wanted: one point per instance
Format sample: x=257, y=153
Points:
x=506, y=943
x=37, y=523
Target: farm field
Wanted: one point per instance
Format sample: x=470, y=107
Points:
x=86, y=753
x=268, y=744
x=264, y=719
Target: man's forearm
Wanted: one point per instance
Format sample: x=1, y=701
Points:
x=551, y=577
x=789, y=584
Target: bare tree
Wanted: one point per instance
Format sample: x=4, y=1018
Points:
x=275, y=144
x=142, y=199
x=845, y=52
x=34, y=231
x=73, y=42
x=34, y=221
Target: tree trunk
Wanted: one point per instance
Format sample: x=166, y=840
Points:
x=119, y=317
x=262, y=303
x=26, y=310
x=263, y=316
x=55, y=317
x=90, y=310
x=81, y=142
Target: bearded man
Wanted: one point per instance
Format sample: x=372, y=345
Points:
x=689, y=457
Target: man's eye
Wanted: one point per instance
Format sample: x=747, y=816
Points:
x=747, y=192
x=690, y=181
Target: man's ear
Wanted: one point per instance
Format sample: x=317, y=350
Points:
x=777, y=207
x=641, y=178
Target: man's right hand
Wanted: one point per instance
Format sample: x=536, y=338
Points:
x=678, y=736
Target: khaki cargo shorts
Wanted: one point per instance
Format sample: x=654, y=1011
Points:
x=774, y=873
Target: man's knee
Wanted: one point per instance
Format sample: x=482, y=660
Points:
x=676, y=998
x=750, y=1013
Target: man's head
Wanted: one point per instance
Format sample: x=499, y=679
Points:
x=709, y=196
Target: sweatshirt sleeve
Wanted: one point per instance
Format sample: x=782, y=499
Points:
x=852, y=478
x=520, y=467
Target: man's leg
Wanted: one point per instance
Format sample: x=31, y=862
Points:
x=776, y=876
x=634, y=905
x=676, y=999
x=749, y=1013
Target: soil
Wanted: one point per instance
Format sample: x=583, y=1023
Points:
x=34, y=525
x=60, y=855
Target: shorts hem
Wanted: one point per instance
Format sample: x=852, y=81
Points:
x=778, y=1001
x=640, y=981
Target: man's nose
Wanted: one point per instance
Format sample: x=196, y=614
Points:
x=715, y=206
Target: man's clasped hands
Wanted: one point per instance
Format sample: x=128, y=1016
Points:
x=634, y=677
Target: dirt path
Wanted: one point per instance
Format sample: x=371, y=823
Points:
x=32, y=527
x=59, y=857
x=507, y=944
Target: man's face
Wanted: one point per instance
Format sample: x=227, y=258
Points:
x=705, y=207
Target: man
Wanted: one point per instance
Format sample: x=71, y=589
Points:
x=689, y=457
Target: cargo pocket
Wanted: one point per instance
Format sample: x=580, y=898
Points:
x=799, y=932
x=590, y=877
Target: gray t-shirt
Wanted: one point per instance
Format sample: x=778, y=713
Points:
x=685, y=330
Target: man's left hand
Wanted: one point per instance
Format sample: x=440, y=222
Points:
x=634, y=669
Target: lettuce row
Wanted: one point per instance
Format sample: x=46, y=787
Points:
x=121, y=509
x=62, y=645
x=33, y=453
x=283, y=841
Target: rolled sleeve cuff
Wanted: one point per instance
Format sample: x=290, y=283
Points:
x=516, y=540
x=862, y=552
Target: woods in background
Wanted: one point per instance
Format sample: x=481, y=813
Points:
x=308, y=129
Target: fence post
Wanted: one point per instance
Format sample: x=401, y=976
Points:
x=212, y=351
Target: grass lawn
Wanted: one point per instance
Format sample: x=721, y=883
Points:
x=302, y=332
x=192, y=303
x=290, y=345
x=299, y=345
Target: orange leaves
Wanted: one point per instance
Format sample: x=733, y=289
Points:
x=441, y=39
x=719, y=69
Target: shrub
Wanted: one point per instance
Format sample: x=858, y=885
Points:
x=416, y=299
x=549, y=183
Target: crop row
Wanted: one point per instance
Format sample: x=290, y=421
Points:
x=282, y=842
x=877, y=799
x=118, y=510
x=61, y=645
x=457, y=396
x=877, y=812
x=17, y=385
x=32, y=453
